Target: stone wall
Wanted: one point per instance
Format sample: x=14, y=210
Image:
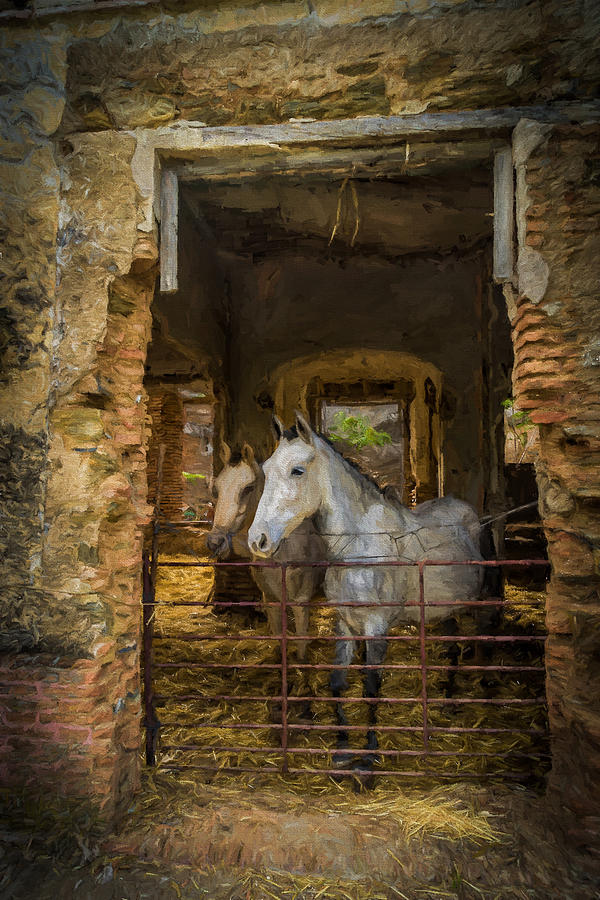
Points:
x=32, y=71
x=77, y=270
x=77, y=288
x=556, y=377
x=255, y=64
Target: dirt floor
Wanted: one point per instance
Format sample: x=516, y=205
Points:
x=519, y=856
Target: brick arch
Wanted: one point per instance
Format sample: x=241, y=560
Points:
x=290, y=387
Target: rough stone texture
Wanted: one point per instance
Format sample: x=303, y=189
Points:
x=244, y=66
x=97, y=419
x=81, y=728
x=84, y=471
x=557, y=379
x=32, y=71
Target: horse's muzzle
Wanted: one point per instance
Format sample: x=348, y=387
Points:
x=262, y=546
x=219, y=544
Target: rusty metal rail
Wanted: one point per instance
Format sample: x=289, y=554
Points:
x=285, y=728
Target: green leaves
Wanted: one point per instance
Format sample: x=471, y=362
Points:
x=518, y=419
x=357, y=431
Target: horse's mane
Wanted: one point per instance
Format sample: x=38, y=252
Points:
x=237, y=458
x=366, y=481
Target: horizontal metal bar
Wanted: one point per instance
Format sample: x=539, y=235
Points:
x=254, y=726
x=260, y=770
x=504, y=701
x=351, y=637
x=216, y=666
x=362, y=604
x=353, y=563
x=326, y=751
x=363, y=668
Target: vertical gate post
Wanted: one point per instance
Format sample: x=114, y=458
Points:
x=149, y=577
x=423, y=650
x=284, y=670
x=151, y=722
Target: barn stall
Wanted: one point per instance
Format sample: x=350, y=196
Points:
x=368, y=295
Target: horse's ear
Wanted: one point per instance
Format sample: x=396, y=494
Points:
x=248, y=454
x=277, y=427
x=303, y=428
x=225, y=453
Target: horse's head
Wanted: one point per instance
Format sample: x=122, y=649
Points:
x=292, y=490
x=236, y=491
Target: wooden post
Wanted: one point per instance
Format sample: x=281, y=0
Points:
x=503, y=214
x=169, y=212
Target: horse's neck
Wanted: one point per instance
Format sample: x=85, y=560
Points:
x=347, y=502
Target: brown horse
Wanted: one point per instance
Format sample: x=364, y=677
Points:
x=237, y=490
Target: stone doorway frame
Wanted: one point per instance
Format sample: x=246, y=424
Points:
x=190, y=151
x=514, y=134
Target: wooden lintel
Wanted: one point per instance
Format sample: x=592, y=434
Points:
x=503, y=214
x=169, y=211
x=402, y=158
x=194, y=138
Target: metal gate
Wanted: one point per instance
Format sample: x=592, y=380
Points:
x=284, y=730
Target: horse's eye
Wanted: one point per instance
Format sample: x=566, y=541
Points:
x=247, y=490
x=297, y=470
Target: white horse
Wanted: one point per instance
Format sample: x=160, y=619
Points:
x=237, y=490
x=306, y=478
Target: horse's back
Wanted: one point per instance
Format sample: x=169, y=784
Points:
x=448, y=512
x=445, y=529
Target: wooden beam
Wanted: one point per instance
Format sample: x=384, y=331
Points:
x=503, y=214
x=404, y=158
x=186, y=140
x=169, y=213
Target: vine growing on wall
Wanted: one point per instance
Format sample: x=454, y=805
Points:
x=518, y=420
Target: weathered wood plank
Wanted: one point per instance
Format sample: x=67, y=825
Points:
x=503, y=214
x=377, y=128
x=169, y=227
x=404, y=158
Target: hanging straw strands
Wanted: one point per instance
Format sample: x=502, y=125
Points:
x=338, y=214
